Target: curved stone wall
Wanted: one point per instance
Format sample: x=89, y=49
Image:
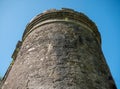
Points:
x=60, y=50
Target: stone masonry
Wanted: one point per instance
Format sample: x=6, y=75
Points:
x=60, y=49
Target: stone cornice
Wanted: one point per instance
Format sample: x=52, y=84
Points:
x=60, y=15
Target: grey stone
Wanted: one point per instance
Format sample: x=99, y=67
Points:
x=60, y=53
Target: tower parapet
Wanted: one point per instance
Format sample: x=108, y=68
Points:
x=63, y=15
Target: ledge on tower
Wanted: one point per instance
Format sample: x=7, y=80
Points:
x=62, y=14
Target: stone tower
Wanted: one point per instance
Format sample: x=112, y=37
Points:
x=60, y=49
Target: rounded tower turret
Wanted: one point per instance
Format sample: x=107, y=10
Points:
x=60, y=49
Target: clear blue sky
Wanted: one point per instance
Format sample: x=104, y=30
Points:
x=15, y=14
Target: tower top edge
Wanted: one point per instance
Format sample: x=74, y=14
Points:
x=62, y=14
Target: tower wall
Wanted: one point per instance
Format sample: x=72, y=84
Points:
x=60, y=49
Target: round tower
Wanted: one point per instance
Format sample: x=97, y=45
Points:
x=60, y=49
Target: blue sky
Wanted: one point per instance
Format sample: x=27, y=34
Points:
x=15, y=14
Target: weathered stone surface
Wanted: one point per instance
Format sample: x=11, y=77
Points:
x=0, y=83
x=60, y=55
